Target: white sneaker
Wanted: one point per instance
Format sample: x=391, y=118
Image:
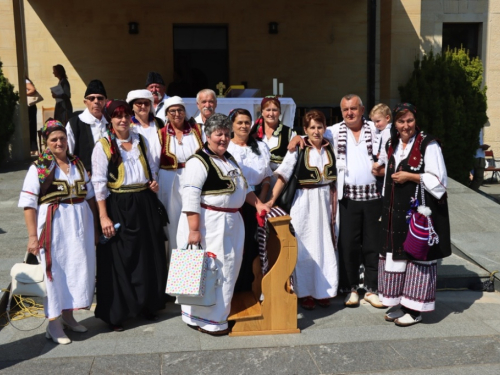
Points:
x=393, y=315
x=373, y=300
x=408, y=320
x=352, y=300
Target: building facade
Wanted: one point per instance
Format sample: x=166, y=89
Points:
x=321, y=49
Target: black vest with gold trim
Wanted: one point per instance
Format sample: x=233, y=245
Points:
x=309, y=175
x=216, y=182
x=116, y=171
x=53, y=189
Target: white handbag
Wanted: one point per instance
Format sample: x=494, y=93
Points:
x=28, y=279
x=212, y=281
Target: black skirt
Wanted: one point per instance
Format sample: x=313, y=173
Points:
x=132, y=266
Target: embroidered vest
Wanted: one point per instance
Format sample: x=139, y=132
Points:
x=284, y=134
x=116, y=172
x=311, y=175
x=168, y=160
x=216, y=182
x=53, y=189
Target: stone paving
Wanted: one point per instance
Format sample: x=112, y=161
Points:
x=461, y=337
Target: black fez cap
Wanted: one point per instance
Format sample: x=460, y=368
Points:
x=154, y=77
x=95, y=87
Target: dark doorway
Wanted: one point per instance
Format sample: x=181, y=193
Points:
x=466, y=35
x=201, y=59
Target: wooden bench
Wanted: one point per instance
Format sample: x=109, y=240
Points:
x=277, y=313
x=491, y=165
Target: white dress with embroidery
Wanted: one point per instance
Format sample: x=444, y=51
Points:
x=255, y=167
x=72, y=244
x=222, y=233
x=152, y=141
x=170, y=181
x=316, y=272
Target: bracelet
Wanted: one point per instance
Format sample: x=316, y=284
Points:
x=266, y=183
x=32, y=235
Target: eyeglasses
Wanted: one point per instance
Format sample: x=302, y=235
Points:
x=174, y=111
x=145, y=104
x=92, y=98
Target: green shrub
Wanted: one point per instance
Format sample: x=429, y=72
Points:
x=451, y=105
x=8, y=101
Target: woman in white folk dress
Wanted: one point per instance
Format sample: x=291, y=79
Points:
x=214, y=190
x=60, y=214
x=179, y=139
x=313, y=214
x=254, y=158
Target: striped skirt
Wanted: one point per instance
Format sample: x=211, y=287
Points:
x=409, y=283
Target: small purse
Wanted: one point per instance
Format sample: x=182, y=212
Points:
x=35, y=98
x=421, y=234
x=28, y=279
x=285, y=199
x=187, y=273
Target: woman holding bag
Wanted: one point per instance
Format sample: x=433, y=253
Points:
x=60, y=214
x=214, y=190
x=131, y=266
x=414, y=161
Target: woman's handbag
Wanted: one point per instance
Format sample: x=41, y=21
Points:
x=421, y=234
x=28, y=279
x=285, y=199
x=187, y=273
x=35, y=98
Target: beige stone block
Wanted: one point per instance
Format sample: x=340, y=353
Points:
x=451, y=6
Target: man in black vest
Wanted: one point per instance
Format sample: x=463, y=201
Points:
x=85, y=129
x=156, y=85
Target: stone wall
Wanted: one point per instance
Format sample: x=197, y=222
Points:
x=319, y=52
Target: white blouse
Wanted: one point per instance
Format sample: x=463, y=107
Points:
x=435, y=177
x=152, y=138
x=134, y=171
x=255, y=167
x=317, y=158
x=31, y=186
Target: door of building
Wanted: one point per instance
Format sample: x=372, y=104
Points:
x=200, y=58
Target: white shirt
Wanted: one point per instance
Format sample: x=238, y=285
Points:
x=272, y=142
x=160, y=109
x=435, y=177
x=255, y=167
x=199, y=120
x=358, y=164
x=134, y=171
x=98, y=128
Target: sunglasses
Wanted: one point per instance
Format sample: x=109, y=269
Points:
x=146, y=104
x=92, y=98
x=174, y=111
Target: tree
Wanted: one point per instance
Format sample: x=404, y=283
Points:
x=8, y=101
x=451, y=105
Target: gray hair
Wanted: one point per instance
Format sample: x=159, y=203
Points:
x=217, y=121
x=206, y=91
x=351, y=96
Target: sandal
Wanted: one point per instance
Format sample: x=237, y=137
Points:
x=307, y=303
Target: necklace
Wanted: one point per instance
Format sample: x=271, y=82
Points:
x=125, y=140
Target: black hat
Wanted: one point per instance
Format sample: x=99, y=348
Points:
x=154, y=77
x=95, y=87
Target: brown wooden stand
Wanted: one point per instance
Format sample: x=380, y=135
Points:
x=277, y=313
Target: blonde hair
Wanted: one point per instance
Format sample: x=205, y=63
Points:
x=382, y=109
